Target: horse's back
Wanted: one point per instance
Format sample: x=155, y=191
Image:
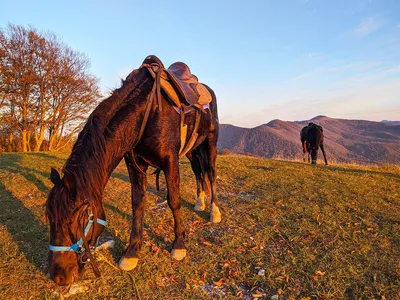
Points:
x=303, y=134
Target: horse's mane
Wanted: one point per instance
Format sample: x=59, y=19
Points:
x=86, y=169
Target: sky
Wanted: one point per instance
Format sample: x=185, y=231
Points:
x=265, y=60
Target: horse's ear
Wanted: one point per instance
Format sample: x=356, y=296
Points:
x=55, y=177
x=69, y=183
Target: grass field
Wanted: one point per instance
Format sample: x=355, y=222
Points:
x=288, y=231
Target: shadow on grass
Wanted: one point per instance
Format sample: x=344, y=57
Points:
x=358, y=171
x=121, y=176
x=205, y=215
x=261, y=168
x=342, y=169
x=27, y=232
x=11, y=163
x=157, y=239
x=150, y=188
x=47, y=155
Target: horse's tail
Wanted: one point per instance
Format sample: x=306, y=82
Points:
x=199, y=156
x=157, y=173
x=203, y=151
x=213, y=107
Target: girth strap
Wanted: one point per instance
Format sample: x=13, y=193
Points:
x=183, y=130
x=193, y=137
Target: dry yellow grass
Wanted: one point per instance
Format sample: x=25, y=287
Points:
x=288, y=229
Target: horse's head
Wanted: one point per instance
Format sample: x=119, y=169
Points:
x=314, y=154
x=74, y=228
x=314, y=137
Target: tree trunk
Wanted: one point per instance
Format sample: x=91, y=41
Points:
x=28, y=140
x=11, y=141
x=24, y=141
x=52, y=137
x=39, y=139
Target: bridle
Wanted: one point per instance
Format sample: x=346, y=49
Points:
x=81, y=247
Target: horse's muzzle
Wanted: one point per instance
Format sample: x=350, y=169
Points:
x=65, y=277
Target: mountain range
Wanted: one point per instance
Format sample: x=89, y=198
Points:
x=349, y=141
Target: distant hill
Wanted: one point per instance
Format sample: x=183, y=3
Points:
x=391, y=122
x=346, y=140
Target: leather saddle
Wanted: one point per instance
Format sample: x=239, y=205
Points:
x=181, y=86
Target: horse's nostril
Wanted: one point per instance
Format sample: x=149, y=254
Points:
x=60, y=280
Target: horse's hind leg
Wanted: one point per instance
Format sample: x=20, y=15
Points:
x=171, y=172
x=323, y=152
x=138, y=180
x=200, y=180
x=215, y=216
x=201, y=195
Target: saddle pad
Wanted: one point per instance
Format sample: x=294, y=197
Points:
x=204, y=94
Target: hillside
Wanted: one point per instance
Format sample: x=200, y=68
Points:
x=346, y=140
x=395, y=123
x=288, y=229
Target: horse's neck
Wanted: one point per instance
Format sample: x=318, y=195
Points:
x=124, y=133
x=101, y=149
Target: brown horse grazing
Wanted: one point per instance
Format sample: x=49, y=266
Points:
x=152, y=120
x=312, y=138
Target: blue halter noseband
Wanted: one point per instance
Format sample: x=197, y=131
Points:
x=78, y=245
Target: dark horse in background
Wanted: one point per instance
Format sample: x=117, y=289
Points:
x=312, y=138
x=143, y=124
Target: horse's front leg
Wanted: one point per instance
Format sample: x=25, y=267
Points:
x=304, y=150
x=171, y=172
x=138, y=180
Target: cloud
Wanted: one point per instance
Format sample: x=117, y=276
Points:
x=368, y=26
x=393, y=70
x=371, y=100
x=330, y=68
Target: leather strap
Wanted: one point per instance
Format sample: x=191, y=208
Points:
x=194, y=135
x=91, y=259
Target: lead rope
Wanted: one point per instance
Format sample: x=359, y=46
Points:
x=90, y=259
x=155, y=92
x=103, y=258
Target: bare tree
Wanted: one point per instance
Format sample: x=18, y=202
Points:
x=45, y=87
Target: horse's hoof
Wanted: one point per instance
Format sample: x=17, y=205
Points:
x=215, y=214
x=128, y=263
x=178, y=254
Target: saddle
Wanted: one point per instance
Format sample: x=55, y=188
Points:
x=178, y=83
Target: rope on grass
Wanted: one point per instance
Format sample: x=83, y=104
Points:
x=134, y=287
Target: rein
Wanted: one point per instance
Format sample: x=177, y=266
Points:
x=82, y=247
x=155, y=71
